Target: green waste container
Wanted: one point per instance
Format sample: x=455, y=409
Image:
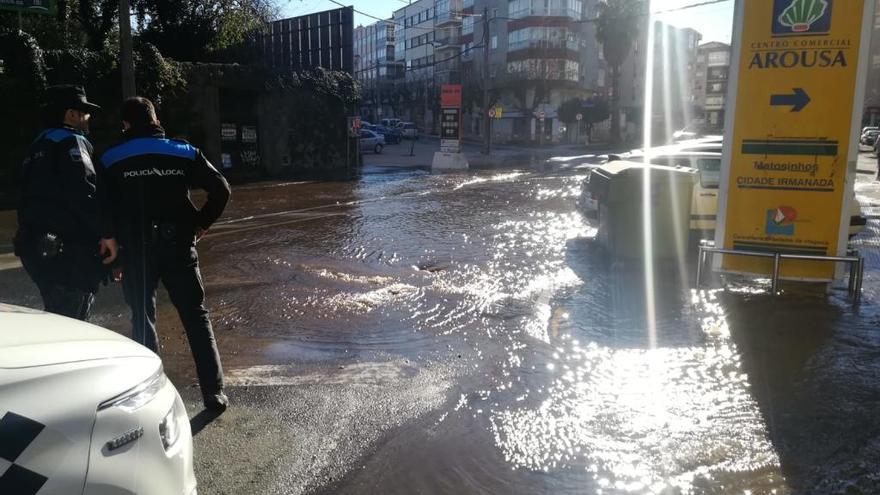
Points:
x=618, y=188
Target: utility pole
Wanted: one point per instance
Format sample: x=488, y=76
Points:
x=126, y=57
x=487, y=129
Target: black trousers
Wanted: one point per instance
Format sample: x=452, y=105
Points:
x=177, y=266
x=59, y=295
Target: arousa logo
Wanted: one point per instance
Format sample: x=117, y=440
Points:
x=801, y=17
x=153, y=172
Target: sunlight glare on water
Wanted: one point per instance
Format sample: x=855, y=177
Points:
x=645, y=420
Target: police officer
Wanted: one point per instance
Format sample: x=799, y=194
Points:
x=147, y=179
x=59, y=237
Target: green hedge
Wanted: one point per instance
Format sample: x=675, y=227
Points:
x=27, y=70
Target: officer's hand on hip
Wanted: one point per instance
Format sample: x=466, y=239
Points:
x=108, y=250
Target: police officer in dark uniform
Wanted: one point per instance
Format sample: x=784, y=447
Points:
x=59, y=238
x=147, y=180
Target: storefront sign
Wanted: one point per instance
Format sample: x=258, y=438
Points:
x=248, y=134
x=228, y=132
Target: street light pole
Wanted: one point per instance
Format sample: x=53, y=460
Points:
x=487, y=128
x=126, y=57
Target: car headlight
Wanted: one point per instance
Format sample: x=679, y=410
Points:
x=169, y=428
x=136, y=397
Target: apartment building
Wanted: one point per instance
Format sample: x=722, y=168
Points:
x=674, y=76
x=414, y=47
x=540, y=55
x=376, y=68
x=710, y=83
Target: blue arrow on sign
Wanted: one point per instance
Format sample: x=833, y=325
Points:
x=797, y=100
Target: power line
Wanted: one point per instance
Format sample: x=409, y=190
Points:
x=371, y=16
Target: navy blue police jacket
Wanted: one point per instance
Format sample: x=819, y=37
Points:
x=146, y=180
x=58, y=193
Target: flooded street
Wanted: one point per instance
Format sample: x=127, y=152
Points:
x=460, y=333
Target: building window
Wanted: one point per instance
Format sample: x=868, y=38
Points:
x=494, y=42
x=719, y=58
x=542, y=37
x=467, y=25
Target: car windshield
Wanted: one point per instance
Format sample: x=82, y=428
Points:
x=710, y=172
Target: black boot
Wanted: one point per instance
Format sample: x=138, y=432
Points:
x=217, y=402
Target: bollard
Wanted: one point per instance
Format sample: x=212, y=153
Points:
x=774, y=284
x=860, y=267
x=701, y=259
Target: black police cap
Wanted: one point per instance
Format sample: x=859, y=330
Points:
x=69, y=96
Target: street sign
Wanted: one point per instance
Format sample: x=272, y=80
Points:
x=790, y=146
x=49, y=7
x=579, y=116
x=450, y=118
x=498, y=111
x=450, y=145
x=450, y=95
x=492, y=113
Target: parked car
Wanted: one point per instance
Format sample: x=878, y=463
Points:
x=86, y=410
x=391, y=135
x=409, y=130
x=704, y=205
x=390, y=122
x=869, y=137
x=371, y=141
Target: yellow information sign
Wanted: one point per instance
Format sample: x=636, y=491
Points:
x=790, y=143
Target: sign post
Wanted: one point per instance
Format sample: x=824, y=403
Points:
x=790, y=145
x=450, y=156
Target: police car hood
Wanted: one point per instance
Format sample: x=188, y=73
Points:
x=33, y=338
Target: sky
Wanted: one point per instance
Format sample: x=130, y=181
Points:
x=713, y=21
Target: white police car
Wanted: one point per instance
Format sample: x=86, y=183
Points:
x=85, y=410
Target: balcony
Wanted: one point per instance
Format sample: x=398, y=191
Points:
x=544, y=45
x=448, y=12
x=448, y=66
x=539, y=11
x=447, y=18
x=447, y=42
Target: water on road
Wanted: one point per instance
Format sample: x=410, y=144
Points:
x=555, y=385
x=562, y=392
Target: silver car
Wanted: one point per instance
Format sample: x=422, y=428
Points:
x=371, y=141
x=409, y=130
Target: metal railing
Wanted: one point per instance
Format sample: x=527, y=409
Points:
x=853, y=259
x=540, y=11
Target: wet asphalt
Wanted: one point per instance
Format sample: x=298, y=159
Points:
x=409, y=332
